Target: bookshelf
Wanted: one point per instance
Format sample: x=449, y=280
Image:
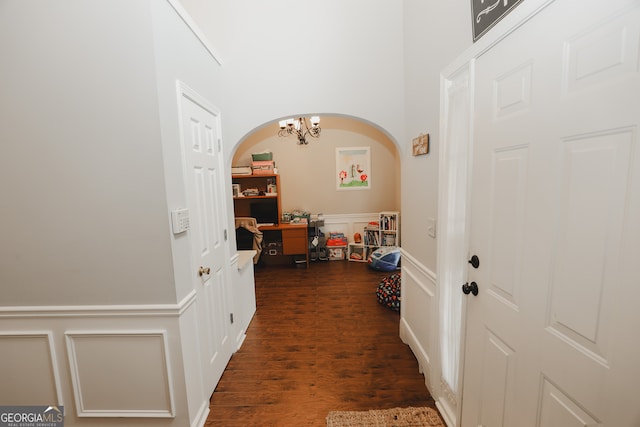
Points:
x=385, y=233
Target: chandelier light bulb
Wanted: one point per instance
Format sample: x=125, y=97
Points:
x=300, y=128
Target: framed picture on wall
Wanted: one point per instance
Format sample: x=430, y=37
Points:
x=420, y=145
x=353, y=168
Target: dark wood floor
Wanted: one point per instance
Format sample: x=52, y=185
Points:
x=319, y=342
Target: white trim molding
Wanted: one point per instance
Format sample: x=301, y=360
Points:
x=195, y=29
x=133, y=310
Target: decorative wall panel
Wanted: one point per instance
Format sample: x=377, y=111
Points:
x=120, y=373
x=28, y=369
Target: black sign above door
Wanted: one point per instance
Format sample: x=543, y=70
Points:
x=486, y=13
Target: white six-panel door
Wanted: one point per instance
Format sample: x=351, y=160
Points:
x=204, y=181
x=552, y=336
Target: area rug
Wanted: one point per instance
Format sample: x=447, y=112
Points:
x=396, y=417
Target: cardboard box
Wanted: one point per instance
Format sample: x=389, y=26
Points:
x=337, y=253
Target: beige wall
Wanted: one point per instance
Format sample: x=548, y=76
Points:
x=434, y=35
x=81, y=168
x=307, y=172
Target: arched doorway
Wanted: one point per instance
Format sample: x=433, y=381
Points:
x=307, y=172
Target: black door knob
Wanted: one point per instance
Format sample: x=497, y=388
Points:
x=470, y=288
x=474, y=261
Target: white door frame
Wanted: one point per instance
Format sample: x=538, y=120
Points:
x=453, y=199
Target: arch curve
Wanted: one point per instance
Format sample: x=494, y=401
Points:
x=328, y=120
x=308, y=174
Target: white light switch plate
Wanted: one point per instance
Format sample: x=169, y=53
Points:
x=431, y=227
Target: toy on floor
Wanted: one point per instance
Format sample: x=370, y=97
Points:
x=388, y=292
x=385, y=258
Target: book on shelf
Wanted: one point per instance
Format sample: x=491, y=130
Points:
x=388, y=222
x=389, y=240
x=371, y=237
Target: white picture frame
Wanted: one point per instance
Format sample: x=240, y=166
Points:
x=353, y=168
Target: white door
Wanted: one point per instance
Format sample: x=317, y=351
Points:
x=552, y=336
x=204, y=177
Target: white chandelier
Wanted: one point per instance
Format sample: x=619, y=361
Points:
x=300, y=128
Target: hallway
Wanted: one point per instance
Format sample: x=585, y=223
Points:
x=319, y=342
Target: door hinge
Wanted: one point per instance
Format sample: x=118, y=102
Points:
x=231, y=317
x=219, y=145
x=225, y=234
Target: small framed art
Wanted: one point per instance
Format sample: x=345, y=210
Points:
x=421, y=145
x=353, y=168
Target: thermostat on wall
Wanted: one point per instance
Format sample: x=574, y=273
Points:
x=180, y=220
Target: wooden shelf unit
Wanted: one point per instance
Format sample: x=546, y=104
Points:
x=268, y=205
x=294, y=236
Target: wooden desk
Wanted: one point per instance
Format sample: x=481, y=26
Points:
x=295, y=239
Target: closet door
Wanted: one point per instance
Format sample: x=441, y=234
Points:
x=205, y=180
x=552, y=334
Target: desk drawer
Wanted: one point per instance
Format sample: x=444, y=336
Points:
x=294, y=241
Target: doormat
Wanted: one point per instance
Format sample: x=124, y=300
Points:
x=396, y=417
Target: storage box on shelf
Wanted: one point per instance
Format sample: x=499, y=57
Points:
x=263, y=167
x=265, y=155
x=337, y=253
x=337, y=246
x=241, y=170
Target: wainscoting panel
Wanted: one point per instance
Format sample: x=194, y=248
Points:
x=197, y=400
x=349, y=224
x=28, y=370
x=134, y=365
x=418, y=315
x=120, y=373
